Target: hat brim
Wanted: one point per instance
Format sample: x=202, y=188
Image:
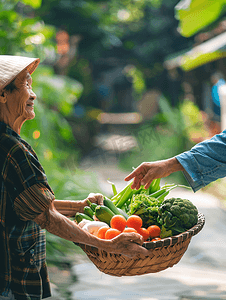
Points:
x=11, y=66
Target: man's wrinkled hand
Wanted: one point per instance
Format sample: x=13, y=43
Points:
x=95, y=198
x=146, y=172
x=128, y=244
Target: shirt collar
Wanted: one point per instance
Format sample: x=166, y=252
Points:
x=4, y=128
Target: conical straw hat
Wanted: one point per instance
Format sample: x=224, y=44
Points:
x=11, y=66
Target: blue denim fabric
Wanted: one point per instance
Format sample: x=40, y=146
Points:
x=205, y=162
x=10, y=296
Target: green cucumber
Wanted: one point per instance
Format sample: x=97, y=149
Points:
x=88, y=211
x=104, y=214
x=123, y=213
x=117, y=211
x=107, y=202
x=80, y=216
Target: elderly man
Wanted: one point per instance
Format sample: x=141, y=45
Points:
x=27, y=203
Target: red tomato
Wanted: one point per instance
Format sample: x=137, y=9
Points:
x=154, y=231
x=101, y=232
x=129, y=229
x=111, y=233
x=118, y=222
x=134, y=221
x=144, y=232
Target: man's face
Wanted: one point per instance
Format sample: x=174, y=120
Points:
x=20, y=102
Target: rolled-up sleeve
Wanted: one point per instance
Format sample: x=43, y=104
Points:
x=33, y=201
x=205, y=162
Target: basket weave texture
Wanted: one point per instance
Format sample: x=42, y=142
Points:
x=163, y=254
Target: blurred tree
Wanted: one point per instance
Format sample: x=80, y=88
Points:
x=21, y=32
x=109, y=34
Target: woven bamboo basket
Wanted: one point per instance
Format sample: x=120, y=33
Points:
x=164, y=253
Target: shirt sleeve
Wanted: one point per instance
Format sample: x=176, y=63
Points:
x=205, y=162
x=26, y=183
x=33, y=201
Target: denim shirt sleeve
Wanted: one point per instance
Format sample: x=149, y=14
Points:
x=205, y=162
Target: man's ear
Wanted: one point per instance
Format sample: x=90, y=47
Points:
x=3, y=96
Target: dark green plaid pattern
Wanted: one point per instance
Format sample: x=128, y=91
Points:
x=24, y=194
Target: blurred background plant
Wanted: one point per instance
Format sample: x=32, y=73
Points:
x=110, y=68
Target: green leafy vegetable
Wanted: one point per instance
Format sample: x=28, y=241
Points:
x=146, y=207
x=165, y=233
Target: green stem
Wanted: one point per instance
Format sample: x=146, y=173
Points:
x=117, y=197
x=155, y=186
x=126, y=195
x=162, y=196
x=158, y=193
x=113, y=187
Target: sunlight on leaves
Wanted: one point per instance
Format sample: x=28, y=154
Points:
x=32, y=3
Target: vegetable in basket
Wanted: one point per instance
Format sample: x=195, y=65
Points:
x=146, y=207
x=172, y=216
x=107, y=202
x=81, y=216
x=122, y=198
x=93, y=227
x=177, y=215
x=104, y=214
x=88, y=211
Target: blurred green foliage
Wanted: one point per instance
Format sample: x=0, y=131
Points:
x=116, y=33
x=20, y=34
x=56, y=92
x=194, y=120
x=199, y=15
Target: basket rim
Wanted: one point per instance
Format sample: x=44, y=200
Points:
x=169, y=241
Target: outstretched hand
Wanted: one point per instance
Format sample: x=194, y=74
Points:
x=146, y=172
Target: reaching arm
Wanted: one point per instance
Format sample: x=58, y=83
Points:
x=204, y=163
x=69, y=207
x=57, y=224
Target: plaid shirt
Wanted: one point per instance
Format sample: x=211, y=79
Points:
x=24, y=194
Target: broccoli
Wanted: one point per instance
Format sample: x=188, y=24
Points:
x=146, y=207
x=177, y=214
